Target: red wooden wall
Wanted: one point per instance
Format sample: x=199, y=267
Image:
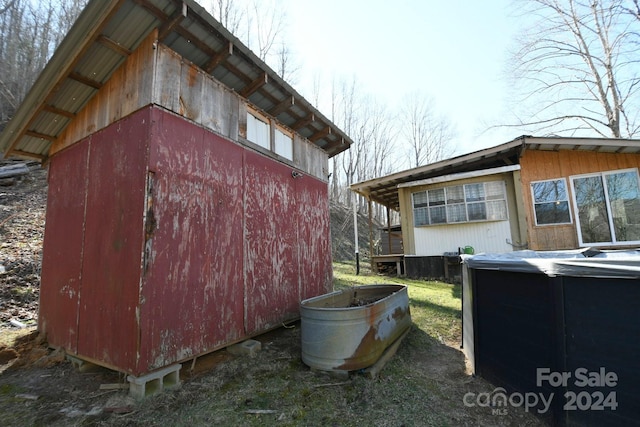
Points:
x=165, y=241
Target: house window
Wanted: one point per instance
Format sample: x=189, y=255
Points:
x=483, y=201
x=283, y=144
x=551, y=202
x=258, y=131
x=608, y=207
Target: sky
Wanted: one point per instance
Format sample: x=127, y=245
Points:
x=454, y=52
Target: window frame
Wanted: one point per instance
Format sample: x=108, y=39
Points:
x=289, y=135
x=256, y=116
x=568, y=200
x=440, y=204
x=610, y=217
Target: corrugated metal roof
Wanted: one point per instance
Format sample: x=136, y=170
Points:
x=106, y=32
x=384, y=190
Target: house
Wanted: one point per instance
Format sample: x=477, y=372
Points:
x=188, y=202
x=547, y=193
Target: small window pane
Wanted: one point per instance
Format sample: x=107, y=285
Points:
x=420, y=199
x=552, y=213
x=497, y=210
x=549, y=191
x=436, y=197
x=494, y=190
x=438, y=215
x=477, y=211
x=474, y=192
x=455, y=194
x=420, y=216
x=283, y=145
x=456, y=213
x=258, y=131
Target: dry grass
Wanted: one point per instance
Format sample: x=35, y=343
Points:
x=423, y=384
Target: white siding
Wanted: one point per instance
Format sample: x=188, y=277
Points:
x=482, y=236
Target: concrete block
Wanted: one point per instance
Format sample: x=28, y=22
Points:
x=154, y=382
x=248, y=347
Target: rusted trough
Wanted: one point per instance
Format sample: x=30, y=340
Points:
x=350, y=329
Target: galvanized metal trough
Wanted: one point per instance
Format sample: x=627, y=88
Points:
x=350, y=329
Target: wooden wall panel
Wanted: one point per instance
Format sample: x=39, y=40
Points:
x=128, y=89
x=63, y=240
x=193, y=284
x=542, y=165
x=271, y=245
x=113, y=243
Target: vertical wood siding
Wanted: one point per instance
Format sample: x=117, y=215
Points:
x=192, y=291
x=63, y=246
x=113, y=242
x=542, y=165
x=270, y=236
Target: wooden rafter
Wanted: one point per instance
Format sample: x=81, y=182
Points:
x=218, y=58
x=58, y=111
x=174, y=20
x=305, y=121
x=283, y=106
x=85, y=80
x=323, y=133
x=113, y=45
x=254, y=85
x=40, y=135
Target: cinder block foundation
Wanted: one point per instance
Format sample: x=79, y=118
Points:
x=154, y=382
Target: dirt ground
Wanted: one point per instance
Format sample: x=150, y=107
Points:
x=424, y=384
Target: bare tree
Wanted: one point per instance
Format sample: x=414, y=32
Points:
x=428, y=135
x=29, y=33
x=228, y=14
x=578, y=68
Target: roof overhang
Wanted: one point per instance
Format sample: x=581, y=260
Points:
x=459, y=176
x=107, y=32
x=384, y=190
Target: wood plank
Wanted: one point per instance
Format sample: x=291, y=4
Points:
x=191, y=83
x=166, y=90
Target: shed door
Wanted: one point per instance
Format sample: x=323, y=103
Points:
x=271, y=248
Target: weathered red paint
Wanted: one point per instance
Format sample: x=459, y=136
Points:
x=271, y=246
x=193, y=287
x=180, y=242
x=312, y=200
x=63, y=243
x=113, y=242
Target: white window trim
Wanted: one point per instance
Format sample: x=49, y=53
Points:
x=608, y=206
x=569, y=202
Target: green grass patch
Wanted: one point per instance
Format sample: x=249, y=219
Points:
x=435, y=306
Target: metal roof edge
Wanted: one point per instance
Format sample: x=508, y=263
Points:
x=272, y=74
x=462, y=175
x=72, y=45
x=443, y=163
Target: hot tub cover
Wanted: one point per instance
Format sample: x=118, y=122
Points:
x=588, y=262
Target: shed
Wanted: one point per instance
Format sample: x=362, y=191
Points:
x=562, y=324
x=539, y=193
x=188, y=203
